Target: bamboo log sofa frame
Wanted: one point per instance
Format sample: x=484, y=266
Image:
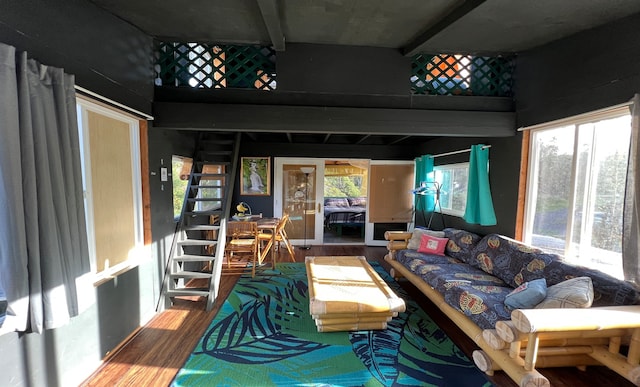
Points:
x=540, y=338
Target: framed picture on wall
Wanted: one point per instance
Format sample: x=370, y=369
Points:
x=255, y=176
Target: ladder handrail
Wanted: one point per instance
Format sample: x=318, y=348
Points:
x=216, y=271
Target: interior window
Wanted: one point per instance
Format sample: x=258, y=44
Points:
x=575, y=190
x=111, y=171
x=180, y=170
x=453, y=180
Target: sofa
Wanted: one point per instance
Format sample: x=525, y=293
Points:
x=524, y=308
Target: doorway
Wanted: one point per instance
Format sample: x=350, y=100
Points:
x=327, y=204
x=345, y=199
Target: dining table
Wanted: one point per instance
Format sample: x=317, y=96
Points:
x=269, y=225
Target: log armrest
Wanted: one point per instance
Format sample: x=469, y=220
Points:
x=398, y=240
x=569, y=319
x=595, y=332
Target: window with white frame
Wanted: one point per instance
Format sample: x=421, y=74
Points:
x=453, y=180
x=575, y=188
x=111, y=169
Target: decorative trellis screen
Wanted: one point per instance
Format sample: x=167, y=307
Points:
x=462, y=75
x=215, y=66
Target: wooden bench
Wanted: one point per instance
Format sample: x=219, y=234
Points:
x=346, y=293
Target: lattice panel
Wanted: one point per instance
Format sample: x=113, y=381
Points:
x=215, y=66
x=462, y=75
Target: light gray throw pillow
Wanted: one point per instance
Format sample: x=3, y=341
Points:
x=414, y=242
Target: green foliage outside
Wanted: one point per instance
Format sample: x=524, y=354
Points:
x=179, y=187
x=555, y=190
x=343, y=186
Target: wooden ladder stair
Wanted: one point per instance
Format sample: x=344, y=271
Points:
x=197, y=250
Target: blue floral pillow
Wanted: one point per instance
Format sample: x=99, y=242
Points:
x=527, y=295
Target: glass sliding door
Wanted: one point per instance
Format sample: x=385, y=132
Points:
x=298, y=191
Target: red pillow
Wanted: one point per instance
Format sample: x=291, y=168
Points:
x=432, y=245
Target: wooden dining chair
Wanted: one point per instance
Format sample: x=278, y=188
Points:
x=280, y=238
x=242, y=245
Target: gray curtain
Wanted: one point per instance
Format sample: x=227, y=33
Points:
x=631, y=216
x=43, y=240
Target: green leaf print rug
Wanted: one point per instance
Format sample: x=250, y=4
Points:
x=264, y=336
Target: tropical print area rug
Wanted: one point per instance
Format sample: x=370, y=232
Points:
x=264, y=336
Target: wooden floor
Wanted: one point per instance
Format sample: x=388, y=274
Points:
x=154, y=354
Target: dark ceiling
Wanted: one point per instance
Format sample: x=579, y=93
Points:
x=445, y=26
x=488, y=27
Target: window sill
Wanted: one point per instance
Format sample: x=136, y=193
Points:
x=113, y=272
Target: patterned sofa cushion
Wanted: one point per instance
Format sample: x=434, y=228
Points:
x=461, y=243
x=468, y=289
x=512, y=261
x=406, y=256
x=607, y=289
x=483, y=304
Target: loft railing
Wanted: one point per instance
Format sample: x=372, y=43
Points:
x=215, y=66
x=446, y=74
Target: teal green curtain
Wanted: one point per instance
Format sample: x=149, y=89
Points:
x=479, y=208
x=424, y=172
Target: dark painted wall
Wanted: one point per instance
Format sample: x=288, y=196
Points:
x=504, y=169
x=107, y=56
x=113, y=59
x=588, y=71
x=163, y=144
x=313, y=68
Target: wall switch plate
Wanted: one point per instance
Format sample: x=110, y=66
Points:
x=163, y=174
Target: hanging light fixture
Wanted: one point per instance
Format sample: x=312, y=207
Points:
x=307, y=171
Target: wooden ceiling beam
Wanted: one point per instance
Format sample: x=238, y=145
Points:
x=455, y=13
x=397, y=140
x=271, y=16
x=362, y=139
x=334, y=120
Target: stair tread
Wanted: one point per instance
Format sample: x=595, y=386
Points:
x=188, y=292
x=215, y=158
x=207, y=186
x=209, y=212
x=191, y=274
x=194, y=258
x=197, y=242
x=202, y=227
x=210, y=174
